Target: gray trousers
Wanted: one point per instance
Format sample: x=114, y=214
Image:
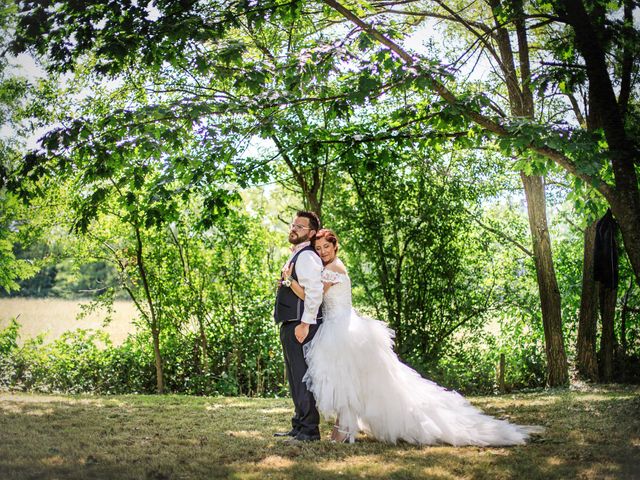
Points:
x=306, y=418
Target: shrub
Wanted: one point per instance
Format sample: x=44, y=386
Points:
x=84, y=361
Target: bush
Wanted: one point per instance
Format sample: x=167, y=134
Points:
x=470, y=363
x=83, y=361
x=245, y=360
x=9, y=338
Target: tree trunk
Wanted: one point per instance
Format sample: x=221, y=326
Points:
x=204, y=347
x=158, y=358
x=557, y=367
x=627, y=214
x=607, y=340
x=312, y=202
x=522, y=105
x=311, y=183
x=155, y=329
x=587, y=362
x=623, y=332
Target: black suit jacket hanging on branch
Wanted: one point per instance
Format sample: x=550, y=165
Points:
x=605, y=258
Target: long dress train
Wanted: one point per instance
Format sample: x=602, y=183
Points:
x=356, y=376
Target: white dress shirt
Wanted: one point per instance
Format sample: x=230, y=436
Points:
x=308, y=270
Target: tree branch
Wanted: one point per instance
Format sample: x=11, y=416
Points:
x=440, y=16
x=482, y=120
x=576, y=110
x=627, y=59
x=500, y=234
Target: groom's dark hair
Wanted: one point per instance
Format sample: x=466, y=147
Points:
x=314, y=221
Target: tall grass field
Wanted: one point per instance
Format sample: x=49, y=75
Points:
x=52, y=317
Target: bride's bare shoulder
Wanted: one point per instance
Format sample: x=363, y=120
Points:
x=337, y=267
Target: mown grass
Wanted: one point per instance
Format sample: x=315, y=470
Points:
x=589, y=434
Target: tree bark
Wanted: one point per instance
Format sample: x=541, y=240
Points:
x=587, y=362
x=158, y=359
x=607, y=340
x=627, y=214
x=312, y=200
x=522, y=105
x=623, y=332
x=627, y=58
x=547, y=284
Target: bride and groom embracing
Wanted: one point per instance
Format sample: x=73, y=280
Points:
x=343, y=365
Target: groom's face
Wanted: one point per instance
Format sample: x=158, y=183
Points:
x=299, y=230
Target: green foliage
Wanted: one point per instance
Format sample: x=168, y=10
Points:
x=9, y=338
x=147, y=141
x=469, y=364
x=409, y=252
x=87, y=362
x=522, y=342
x=12, y=268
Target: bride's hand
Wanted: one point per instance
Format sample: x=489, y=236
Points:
x=287, y=271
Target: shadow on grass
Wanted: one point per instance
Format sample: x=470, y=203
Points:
x=172, y=437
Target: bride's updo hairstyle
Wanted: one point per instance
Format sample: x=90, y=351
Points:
x=329, y=236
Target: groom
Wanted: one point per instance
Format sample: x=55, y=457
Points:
x=299, y=320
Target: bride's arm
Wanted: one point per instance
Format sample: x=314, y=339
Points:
x=299, y=289
x=295, y=286
x=336, y=267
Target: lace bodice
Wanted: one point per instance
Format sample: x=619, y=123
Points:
x=338, y=296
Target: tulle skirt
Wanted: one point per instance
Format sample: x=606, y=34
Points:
x=356, y=376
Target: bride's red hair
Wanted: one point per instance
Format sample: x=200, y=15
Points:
x=329, y=236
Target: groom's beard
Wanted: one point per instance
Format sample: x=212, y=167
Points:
x=296, y=239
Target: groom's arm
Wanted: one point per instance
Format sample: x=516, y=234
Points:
x=309, y=270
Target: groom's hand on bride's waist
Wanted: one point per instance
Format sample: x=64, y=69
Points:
x=302, y=331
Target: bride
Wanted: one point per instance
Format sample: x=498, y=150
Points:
x=357, y=378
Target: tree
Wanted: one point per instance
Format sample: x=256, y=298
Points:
x=554, y=143
x=517, y=83
x=586, y=360
x=15, y=226
x=593, y=38
x=205, y=72
x=399, y=210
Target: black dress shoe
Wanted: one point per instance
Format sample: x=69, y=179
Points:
x=303, y=437
x=291, y=433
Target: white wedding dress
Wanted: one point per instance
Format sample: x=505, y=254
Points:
x=356, y=376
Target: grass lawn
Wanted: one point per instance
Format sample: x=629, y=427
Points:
x=592, y=433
